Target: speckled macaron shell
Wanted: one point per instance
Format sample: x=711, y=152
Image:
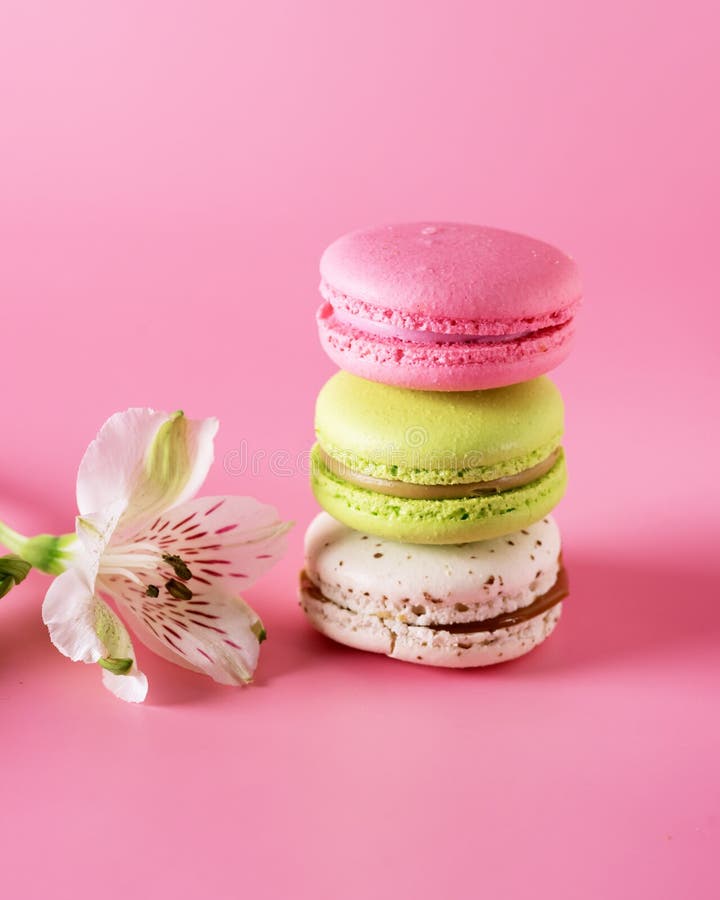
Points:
x=446, y=306
x=430, y=438
x=382, y=596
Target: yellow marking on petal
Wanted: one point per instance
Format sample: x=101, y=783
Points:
x=87, y=525
x=112, y=634
x=167, y=464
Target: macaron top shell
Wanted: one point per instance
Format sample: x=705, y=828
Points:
x=450, y=278
x=451, y=583
x=433, y=437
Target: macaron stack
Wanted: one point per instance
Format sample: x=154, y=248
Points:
x=438, y=458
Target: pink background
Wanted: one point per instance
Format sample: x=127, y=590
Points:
x=169, y=175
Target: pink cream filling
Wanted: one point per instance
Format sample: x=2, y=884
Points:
x=380, y=329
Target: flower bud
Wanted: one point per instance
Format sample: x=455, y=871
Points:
x=13, y=570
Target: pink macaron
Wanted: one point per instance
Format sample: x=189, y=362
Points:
x=445, y=306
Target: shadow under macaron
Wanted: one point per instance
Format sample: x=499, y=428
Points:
x=630, y=610
x=618, y=611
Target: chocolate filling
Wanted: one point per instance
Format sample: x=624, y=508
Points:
x=311, y=589
x=409, y=491
x=558, y=592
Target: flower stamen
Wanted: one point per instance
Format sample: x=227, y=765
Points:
x=178, y=590
x=179, y=566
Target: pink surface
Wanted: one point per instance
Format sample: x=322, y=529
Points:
x=170, y=176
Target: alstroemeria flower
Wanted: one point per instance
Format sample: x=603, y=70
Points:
x=174, y=566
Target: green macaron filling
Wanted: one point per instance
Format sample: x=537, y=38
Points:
x=438, y=521
x=406, y=464
x=437, y=490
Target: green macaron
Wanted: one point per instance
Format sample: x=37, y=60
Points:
x=432, y=467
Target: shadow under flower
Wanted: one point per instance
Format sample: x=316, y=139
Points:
x=291, y=646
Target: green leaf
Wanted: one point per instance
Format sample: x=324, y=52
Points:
x=13, y=570
x=15, y=567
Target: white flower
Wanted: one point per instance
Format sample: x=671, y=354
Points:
x=174, y=566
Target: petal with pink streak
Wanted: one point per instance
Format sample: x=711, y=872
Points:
x=226, y=542
x=210, y=631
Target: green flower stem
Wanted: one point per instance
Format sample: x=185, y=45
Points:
x=49, y=553
x=11, y=539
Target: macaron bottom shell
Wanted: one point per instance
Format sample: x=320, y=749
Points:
x=458, y=606
x=427, y=646
x=443, y=366
x=437, y=521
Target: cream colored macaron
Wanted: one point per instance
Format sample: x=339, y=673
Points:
x=458, y=605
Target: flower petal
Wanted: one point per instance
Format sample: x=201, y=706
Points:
x=109, y=468
x=84, y=628
x=69, y=613
x=131, y=687
x=186, y=608
x=211, y=632
x=226, y=542
x=150, y=460
x=120, y=672
x=95, y=531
